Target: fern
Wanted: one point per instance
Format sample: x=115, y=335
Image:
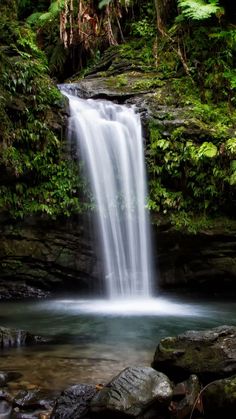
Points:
x=199, y=9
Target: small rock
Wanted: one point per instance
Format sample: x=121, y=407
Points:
x=5, y=377
x=33, y=400
x=5, y=409
x=188, y=391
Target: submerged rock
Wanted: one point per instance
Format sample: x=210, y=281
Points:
x=210, y=354
x=34, y=399
x=132, y=392
x=8, y=376
x=14, y=338
x=73, y=402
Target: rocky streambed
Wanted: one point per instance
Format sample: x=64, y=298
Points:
x=192, y=375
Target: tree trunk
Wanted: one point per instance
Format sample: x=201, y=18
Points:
x=166, y=10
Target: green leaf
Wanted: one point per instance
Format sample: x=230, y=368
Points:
x=230, y=145
x=207, y=150
x=232, y=179
x=233, y=165
x=199, y=9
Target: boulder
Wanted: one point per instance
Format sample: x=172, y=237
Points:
x=219, y=398
x=73, y=402
x=211, y=354
x=132, y=392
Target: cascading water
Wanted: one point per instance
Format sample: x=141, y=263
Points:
x=109, y=139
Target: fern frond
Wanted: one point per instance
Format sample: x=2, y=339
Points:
x=199, y=9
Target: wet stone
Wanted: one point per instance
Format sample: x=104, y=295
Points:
x=133, y=391
x=73, y=402
x=185, y=398
x=32, y=400
x=219, y=398
x=210, y=354
x=5, y=377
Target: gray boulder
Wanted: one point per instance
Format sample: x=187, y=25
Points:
x=211, y=354
x=132, y=392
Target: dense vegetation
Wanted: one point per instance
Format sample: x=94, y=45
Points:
x=182, y=50
x=35, y=176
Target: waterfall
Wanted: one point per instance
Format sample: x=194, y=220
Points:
x=109, y=139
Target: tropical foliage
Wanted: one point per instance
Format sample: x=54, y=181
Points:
x=185, y=53
x=35, y=177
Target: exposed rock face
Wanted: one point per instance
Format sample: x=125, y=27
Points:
x=210, y=354
x=37, y=256
x=132, y=392
x=73, y=402
x=203, y=262
x=13, y=338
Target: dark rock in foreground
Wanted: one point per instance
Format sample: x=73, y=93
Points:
x=73, y=402
x=211, y=354
x=14, y=338
x=132, y=392
x=220, y=396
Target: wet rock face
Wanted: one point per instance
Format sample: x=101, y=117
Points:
x=205, y=262
x=211, y=354
x=14, y=338
x=132, y=392
x=39, y=256
x=73, y=402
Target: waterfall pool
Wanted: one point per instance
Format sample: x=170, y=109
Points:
x=93, y=340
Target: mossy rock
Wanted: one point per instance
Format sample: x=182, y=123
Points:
x=210, y=354
x=219, y=398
